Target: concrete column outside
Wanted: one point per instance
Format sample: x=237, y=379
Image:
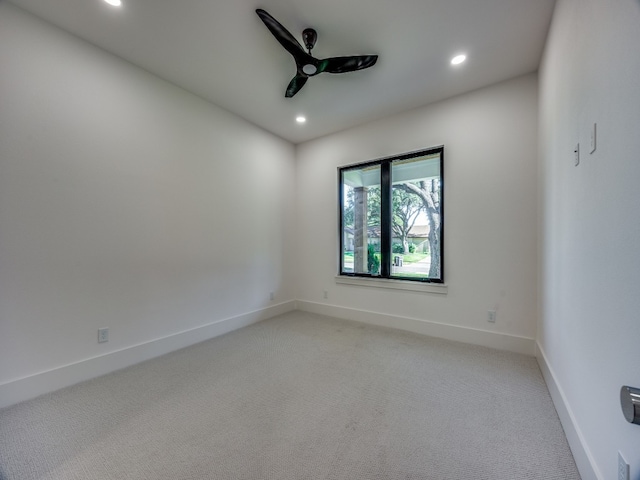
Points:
x=360, y=230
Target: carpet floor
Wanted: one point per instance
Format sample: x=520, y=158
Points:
x=300, y=396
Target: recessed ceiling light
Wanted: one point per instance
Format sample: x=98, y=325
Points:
x=458, y=59
x=301, y=119
x=115, y=3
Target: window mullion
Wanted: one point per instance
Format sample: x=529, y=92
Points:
x=385, y=219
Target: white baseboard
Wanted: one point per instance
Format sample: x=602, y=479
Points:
x=44, y=382
x=581, y=453
x=473, y=336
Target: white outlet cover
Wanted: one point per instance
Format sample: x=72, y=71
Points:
x=623, y=468
x=576, y=154
x=103, y=335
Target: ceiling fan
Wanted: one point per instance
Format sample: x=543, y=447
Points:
x=306, y=65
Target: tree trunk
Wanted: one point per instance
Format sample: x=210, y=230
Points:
x=434, y=249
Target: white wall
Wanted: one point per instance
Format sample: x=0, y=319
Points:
x=118, y=209
x=589, y=329
x=490, y=175
x=125, y=202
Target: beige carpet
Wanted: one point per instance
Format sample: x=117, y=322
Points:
x=300, y=396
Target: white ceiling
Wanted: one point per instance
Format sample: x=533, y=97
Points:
x=221, y=51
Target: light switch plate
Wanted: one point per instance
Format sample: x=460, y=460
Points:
x=576, y=153
x=592, y=139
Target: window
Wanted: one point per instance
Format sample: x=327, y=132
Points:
x=391, y=217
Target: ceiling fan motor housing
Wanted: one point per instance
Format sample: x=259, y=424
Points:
x=309, y=36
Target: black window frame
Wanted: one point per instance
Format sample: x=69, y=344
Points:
x=386, y=211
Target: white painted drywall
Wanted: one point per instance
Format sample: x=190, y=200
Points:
x=125, y=202
x=589, y=327
x=490, y=176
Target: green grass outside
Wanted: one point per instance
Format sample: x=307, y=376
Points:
x=406, y=258
x=410, y=275
x=413, y=257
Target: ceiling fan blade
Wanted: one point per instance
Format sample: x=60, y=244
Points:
x=285, y=38
x=347, y=64
x=295, y=85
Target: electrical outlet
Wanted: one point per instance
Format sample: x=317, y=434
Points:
x=592, y=139
x=272, y=296
x=623, y=468
x=576, y=155
x=325, y=295
x=103, y=335
x=491, y=316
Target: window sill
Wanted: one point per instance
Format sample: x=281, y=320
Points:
x=406, y=285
